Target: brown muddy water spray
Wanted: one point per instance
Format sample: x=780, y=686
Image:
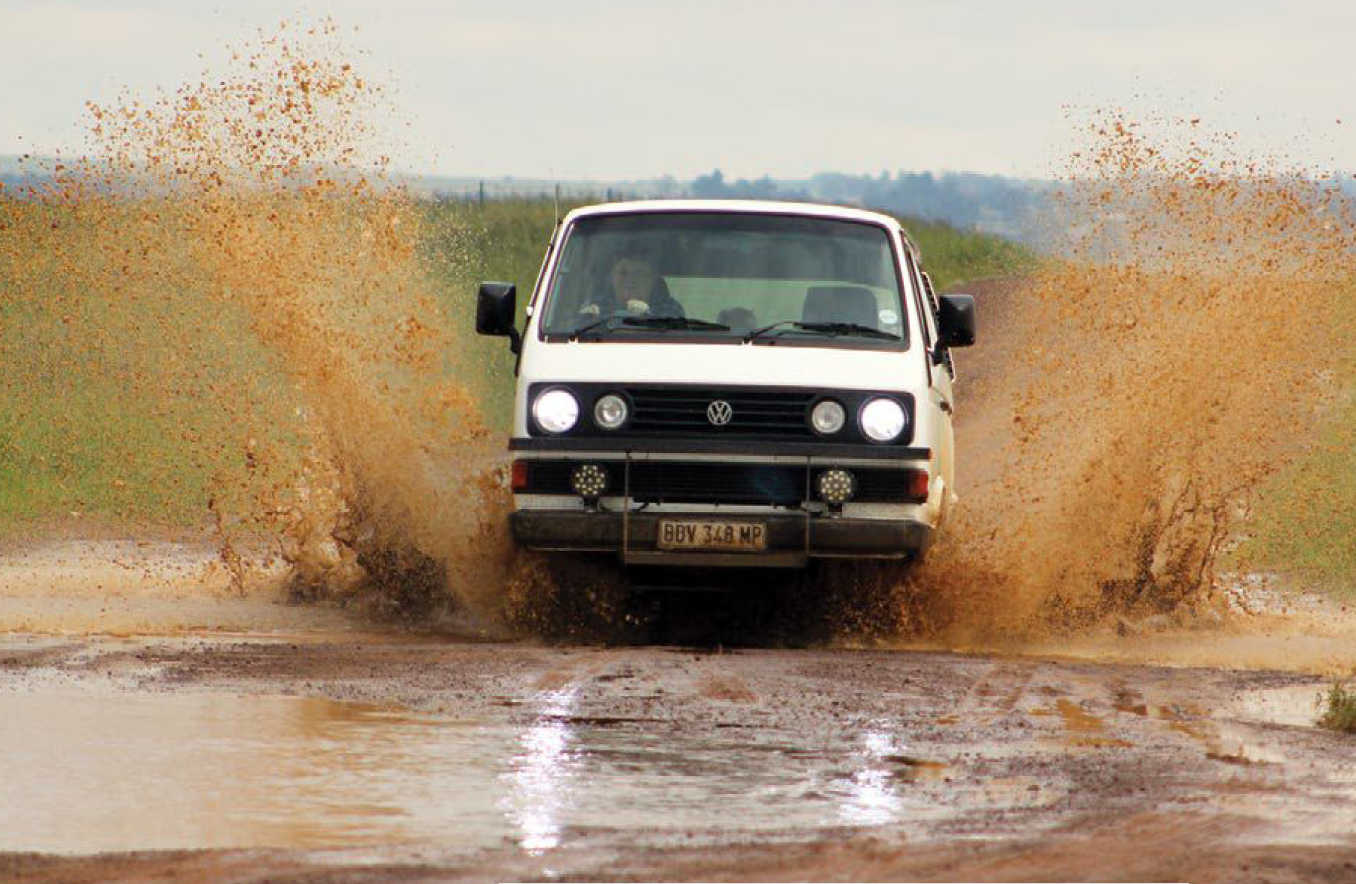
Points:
x=238, y=248
x=1179, y=353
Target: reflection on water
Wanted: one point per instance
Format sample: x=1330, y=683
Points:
x=871, y=798
x=86, y=772
x=1296, y=705
x=539, y=774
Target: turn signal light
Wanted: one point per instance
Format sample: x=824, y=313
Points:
x=918, y=485
x=518, y=476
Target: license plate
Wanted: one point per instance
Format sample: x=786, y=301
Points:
x=738, y=536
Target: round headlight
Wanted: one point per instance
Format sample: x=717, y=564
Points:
x=556, y=411
x=883, y=420
x=610, y=411
x=828, y=417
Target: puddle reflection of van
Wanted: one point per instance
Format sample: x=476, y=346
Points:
x=731, y=384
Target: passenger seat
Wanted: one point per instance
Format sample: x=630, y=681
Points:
x=840, y=303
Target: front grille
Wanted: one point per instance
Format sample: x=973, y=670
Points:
x=661, y=481
x=676, y=411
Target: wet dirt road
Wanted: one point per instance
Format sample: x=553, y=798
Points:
x=158, y=725
x=383, y=757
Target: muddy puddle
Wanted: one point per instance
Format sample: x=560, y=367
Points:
x=523, y=762
x=86, y=771
x=1297, y=705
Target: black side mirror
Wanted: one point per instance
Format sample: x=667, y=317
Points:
x=496, y=309
x=956, y=316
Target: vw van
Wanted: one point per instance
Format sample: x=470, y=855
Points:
x=727, y=384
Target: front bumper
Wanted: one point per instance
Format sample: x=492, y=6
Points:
x=793, y=539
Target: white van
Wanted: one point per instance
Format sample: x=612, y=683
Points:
x=712, y=383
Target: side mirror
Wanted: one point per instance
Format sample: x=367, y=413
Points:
x=956, y=316
x=496, y=309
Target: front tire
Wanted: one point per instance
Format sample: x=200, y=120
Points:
x=574, y=598
x=863, y=600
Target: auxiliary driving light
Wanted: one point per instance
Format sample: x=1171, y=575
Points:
x=828, y=417
x=836, y=486
x=589, y=481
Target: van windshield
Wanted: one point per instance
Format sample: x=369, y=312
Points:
x=767, y=278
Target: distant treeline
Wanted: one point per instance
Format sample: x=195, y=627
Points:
x=1023, y=210
x=1009, y=207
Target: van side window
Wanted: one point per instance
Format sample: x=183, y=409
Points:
x=936, y=321
x=925, y=309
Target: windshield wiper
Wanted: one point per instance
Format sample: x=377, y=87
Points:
x=659, y=322
x=827, y=328
x=674, y=322
x=598, y=323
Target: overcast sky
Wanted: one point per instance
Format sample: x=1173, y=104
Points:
x=580, y=89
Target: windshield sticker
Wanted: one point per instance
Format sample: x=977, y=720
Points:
x=888, y=317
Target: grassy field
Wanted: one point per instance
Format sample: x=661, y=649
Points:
x=92, y=430
x=1304, y=520
x=953, y=257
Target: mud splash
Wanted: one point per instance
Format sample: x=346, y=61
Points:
x=236, y=269
x=1154, y=377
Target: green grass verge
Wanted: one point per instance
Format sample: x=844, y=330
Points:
x=1339, y=709
x=1303, y=520
x=952, y=256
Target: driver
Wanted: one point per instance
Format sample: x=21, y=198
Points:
x=635, y=288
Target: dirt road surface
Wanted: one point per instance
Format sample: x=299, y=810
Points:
x=386, y=757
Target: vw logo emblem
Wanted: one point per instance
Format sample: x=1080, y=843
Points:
x=719, y=412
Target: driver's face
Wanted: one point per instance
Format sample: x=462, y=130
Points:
x=632, y=279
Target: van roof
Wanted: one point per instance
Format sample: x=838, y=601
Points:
x=760, y=207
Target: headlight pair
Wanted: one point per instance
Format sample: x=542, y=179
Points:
x=881, y=419
x=556, y=411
